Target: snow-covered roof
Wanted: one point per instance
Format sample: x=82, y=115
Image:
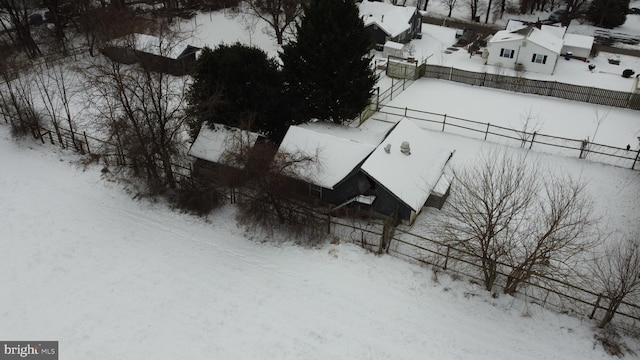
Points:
x=504, y=36
x=579, y=41
x=557, y=31
x=392, y=19
x=535, y=35
x=546, y=40
x=151, y=44
x=340, y=149
x=394, y=45
x=220, y=142
x=409, y=177
x=515, y=25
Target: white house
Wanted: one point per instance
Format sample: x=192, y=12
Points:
x=527, y=48
x=555, y=41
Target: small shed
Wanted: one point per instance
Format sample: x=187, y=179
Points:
x=392, y=48
x=221, y=153
x=579, y=45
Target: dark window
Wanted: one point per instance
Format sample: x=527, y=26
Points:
x=508, y=53
x=539, y=58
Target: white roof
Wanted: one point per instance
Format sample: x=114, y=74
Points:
x=579, y=41
x=340, y=149
x=504, y=36
x=546, y=40
x=151, y=44
x=392, y=19
x=218, y=143
x=409, y=177
x=394, y=45
x=557, y=31
x=536, y=36
x=515, y=25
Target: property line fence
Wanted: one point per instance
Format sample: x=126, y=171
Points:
x=582, y=149
x=376, y=236
x=589, y=94
x=560, y=295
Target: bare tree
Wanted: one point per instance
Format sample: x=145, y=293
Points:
x=451, y=4
x=17, y=104
x=18, y=13
x=143, y=113
x=508, y=216
x=281, y=15
x=486, y=206
x=474, y=6
x=275, y=195
x=530, y=123
x=617, y=274
x=56, y=94
x=558, y=229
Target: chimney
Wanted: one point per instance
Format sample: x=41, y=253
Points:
x=404, y=148
x=387, y=149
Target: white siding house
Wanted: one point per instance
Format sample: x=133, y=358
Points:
x=527, y=48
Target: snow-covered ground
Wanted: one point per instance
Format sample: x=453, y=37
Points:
x=112, y=278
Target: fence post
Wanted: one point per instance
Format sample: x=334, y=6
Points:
x=635, y=160
x=444, y=122
x=450, y=73
x=86, y=141
x=595, y=307
x=446, y=259
x=487, y=131
x=532, y=139
x=391, y=89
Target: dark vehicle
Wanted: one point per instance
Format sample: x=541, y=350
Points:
x=557, y=15
x=634, y=11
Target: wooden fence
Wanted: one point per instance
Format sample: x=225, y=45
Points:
x=582, y=149
x=555, y=294
x=556, y=89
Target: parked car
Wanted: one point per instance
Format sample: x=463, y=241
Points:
x=557, y=15
x=634, y=11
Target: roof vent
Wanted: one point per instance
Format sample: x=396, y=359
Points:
x=387, y=149
x=404, y=148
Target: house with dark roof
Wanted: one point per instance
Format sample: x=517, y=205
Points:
x=394, y=173
x=389, y=22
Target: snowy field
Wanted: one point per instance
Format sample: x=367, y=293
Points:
x=557, y=117
x=112, y=278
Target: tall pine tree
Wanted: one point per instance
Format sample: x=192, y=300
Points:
x=326, y=68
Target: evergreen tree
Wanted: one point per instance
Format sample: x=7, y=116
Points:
x=239, y=86
x=327, y=73
x=608, y=13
